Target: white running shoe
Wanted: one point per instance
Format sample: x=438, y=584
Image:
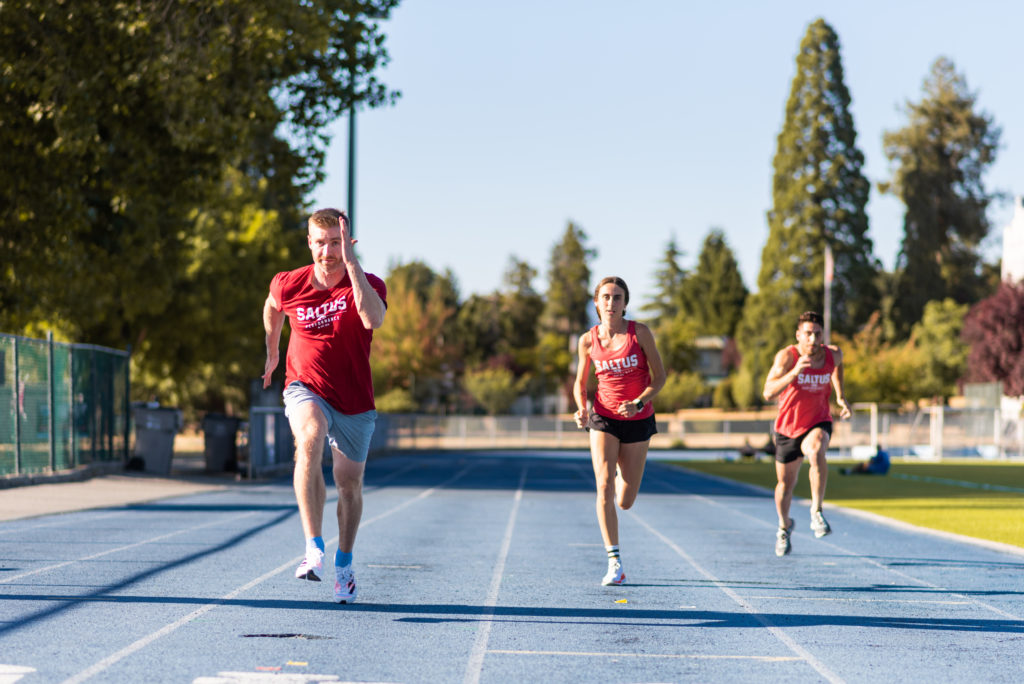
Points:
x=312, y=565
x=345, y=587
x=615, y=574
x=782, y=543
x=819, y=524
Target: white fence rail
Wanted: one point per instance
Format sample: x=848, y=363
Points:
x=927, y=433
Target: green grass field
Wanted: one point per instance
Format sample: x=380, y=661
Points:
x=950, y=496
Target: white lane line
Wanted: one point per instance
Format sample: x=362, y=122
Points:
x=839, y=549
x=62, y=518
x=679, y=656
x=777, y=632
x=476, y=657
x=9, y=674
x=139, y=644
x=853, y=600
x=151, y=540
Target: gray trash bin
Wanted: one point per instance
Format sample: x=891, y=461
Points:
x=220, y=435
x=155, y=429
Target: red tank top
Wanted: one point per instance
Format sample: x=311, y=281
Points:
x=622, y=374
x=804, y=402
x=329, y=347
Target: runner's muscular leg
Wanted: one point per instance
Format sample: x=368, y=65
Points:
x=814, y=447
x=309, y=426
x=604, y=450
x=348, y=478
x=787, y=474
x=632, y=459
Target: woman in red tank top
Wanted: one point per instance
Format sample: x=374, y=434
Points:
x=629, y=373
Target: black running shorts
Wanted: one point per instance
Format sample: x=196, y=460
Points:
x=626, y=431
x=788, y=449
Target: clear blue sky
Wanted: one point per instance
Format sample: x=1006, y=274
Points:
x=639, y=122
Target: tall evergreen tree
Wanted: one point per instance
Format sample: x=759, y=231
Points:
x=714, y=294
x=566, y=308
x=668, y=283
x=818, y=196
x=940, y=157
x=521, y=306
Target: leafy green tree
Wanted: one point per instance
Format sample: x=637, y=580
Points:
x=521, y=308
x=818, y=196
x=567, y=307
x=994, y=327
x=943, y=355
x=668, y=282
x=569, y=297
x=495, y=389
x=713, y=295
x=681, y=390
x=879, y=370
x=940, y=158
x=129, y=129
x=478, y=328
x=410, y=350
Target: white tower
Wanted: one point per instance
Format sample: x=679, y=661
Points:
x=1013, y=244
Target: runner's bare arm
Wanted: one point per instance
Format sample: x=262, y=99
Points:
x=838, y=385
x=273, y=322
x=579, y=388
x=783, y=372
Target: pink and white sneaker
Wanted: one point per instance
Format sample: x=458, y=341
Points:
x=345, y=587
x=312, y=565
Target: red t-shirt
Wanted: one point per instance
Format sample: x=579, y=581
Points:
x=804, y=402
x=329, y=347
x=621, y=375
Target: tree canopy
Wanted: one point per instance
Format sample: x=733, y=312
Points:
x=940, y=157
x=139, y=136
x=994, y=327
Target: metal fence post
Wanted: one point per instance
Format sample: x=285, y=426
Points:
x=17, y=412
x=51, y=402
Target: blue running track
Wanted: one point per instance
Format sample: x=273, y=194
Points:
x=486, y=567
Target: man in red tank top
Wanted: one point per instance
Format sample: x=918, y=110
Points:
x=802, y=378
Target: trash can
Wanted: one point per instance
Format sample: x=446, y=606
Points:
x=220, y=434
x=155, y=429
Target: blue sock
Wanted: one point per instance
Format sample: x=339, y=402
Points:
x=341, y=559
x=318, y=542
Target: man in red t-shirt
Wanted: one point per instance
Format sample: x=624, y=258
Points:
x=802, y=378
x=332, y=308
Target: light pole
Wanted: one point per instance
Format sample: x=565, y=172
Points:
x=352, y=170
x=829, y=267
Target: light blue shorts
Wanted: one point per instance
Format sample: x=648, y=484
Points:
x=349, y=434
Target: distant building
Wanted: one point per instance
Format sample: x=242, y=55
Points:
x=716, y=357
x=1013, y=244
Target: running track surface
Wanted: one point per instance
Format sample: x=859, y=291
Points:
x=486, y=567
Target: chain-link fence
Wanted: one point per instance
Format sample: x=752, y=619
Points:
x=61, y=405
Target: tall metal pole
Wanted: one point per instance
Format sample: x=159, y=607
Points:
x=828, y=293
x=352, y=170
